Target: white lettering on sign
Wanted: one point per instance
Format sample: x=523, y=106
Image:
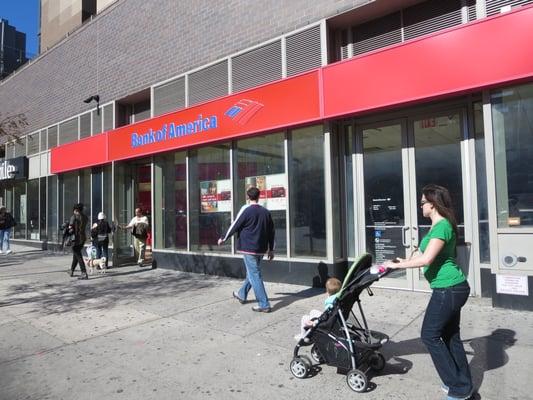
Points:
x=7, y=171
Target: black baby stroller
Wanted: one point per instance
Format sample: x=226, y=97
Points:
x=341, y=342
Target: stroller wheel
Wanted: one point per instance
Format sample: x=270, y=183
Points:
x=357, y=380
x=376, y=361
x=300, y=367
x=315, y=355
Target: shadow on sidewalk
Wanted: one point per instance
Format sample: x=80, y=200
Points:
x=59, y=297
x=489, y=353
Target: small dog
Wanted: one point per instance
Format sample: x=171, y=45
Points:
x=95, y=265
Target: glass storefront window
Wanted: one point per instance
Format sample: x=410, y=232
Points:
x=108, y=191
x=33, y=209
x=349, y=185
x=96, y=195
x=171, y=201
x=53, y=207
x=210, y=197
x=307, y=198
x=85, y=194
x=19, y=210
x=481, y=179
x=512, y=124
x=261, y=163
x=69, y=193
x=43, y=208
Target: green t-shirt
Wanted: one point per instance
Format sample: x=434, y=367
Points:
x=443, y=272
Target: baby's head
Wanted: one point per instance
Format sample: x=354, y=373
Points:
x=333, y=285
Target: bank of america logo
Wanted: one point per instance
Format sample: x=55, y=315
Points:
x=243, y=110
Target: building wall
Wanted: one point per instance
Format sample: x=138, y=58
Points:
x=135, y=43
x=58, y=17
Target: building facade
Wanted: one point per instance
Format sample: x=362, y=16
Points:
x=340, y=112
x=12, y=48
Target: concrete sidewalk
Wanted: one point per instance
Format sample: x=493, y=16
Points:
x=154, y=334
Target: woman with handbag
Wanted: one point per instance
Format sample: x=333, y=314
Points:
x=77, y=225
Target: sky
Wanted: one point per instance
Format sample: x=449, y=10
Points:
x=23, y=15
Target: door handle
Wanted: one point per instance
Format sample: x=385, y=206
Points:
x=404, y=236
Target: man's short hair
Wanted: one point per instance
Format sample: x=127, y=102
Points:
x=253, y=193
x=78, y=207
x=333, y=285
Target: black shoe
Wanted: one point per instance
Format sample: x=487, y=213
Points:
x=83, y=276
x=236, y=295
x=71, y=273
x=261, y=309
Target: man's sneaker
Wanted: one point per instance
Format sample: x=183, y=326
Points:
x=444, y=388
x=261, y=309
x=1, y=252
x=83, y=276
x=9, y=251
x=236, y=295
x=140, y=263
x=71, y=273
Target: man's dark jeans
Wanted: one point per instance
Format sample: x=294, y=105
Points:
x=440, y=334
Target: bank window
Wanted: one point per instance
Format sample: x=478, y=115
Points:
x=33, y=209
x=210, y=197
x=512, y=123
x=19, y=210
x=307, y=199
x=481, y=179
x=261, y=164
x=171, y=201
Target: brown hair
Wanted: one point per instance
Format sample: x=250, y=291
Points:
x=440, y=198
x=333, y=285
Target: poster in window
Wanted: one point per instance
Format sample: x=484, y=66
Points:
x=272, y=191
x=215, y=196
x=22, y=209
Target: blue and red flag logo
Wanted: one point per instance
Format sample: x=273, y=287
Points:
x=243, y=110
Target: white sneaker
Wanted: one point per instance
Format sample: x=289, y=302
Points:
x=1, y=252
x=9, y=251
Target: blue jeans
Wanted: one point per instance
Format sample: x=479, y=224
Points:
x=4, y=238
x=254, y=280
x=440, y=334
x=102, y=251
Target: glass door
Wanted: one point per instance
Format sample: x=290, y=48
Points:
x=395, y=160
x=122, y=214
x=385, y=212
x=437, y=158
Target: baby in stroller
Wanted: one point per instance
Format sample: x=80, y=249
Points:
x=333, y=285
x=339, y=338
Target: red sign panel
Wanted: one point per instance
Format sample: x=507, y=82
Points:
x=269, y=107
x=482, y=54
x=84, y=153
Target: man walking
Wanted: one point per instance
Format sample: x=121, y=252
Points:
x=255, y=230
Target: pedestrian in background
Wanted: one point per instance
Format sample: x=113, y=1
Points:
x=7, y=222
x=77, y=226
x=139, y=226
x=100, y=237
x=255, y=230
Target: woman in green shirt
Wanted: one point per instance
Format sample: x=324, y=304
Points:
x=440, y=329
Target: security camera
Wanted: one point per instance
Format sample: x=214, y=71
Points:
x=89, y=99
